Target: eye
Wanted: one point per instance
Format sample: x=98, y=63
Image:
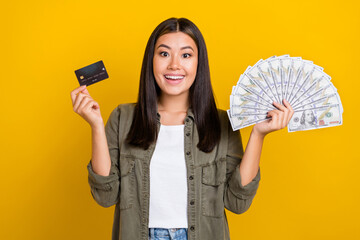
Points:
x=164, y=54
x=186, y=55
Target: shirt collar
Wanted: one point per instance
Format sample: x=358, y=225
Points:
x=189, y=114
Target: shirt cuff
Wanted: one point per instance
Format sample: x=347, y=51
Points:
x=240, y=191
x=99, y=181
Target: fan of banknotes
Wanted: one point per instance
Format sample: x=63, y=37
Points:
x=303, y=84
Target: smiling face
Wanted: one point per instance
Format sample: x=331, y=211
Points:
x=175, y=63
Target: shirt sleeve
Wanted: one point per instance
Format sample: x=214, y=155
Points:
x=237, y=198
x=106, y=189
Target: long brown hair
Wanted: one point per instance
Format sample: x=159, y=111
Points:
x=143, y=130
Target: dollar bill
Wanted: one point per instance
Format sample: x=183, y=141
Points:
x=238, y=122
x=314, y=118
x=331, y=99
x=241, y=97
x=302, y=83
x=277, y=72
x=246, y=85
x=316, y=93
x=267, y=75
x=311, y=74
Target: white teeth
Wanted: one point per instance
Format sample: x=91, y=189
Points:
x=174, y=77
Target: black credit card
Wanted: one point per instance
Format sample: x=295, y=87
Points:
x=91, y=74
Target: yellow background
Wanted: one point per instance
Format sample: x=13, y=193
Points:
x=310, y=180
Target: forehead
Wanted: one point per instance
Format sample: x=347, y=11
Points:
x=176, y=40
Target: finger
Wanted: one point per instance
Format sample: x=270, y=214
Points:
x=75, y=92
x=279, y=106
x=291, y=110
x=285, y=119
x=85, y=100
x=274, y=114
x=275, y=111
x=280, y=121
x=91, y=104
x=85, y=91
x=277, y=117
x=78, y=101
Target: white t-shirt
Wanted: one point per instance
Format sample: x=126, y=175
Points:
x=168, y=180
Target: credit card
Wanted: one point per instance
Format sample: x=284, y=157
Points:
x=91, y=74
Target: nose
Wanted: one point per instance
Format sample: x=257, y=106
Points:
x=174, y=63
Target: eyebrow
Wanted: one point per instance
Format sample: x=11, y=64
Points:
x=166, y=46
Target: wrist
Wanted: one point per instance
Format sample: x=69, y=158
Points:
x=98, y=127
x=255, y=133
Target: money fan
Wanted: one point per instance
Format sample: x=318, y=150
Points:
x=314, y=99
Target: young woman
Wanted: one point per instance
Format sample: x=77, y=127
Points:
x=170, y=162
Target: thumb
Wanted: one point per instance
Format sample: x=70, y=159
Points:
x=85, y=91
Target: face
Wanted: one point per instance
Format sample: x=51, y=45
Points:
x=309, y=116
x=175, y=63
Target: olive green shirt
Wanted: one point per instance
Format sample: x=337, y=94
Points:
x=213, y=180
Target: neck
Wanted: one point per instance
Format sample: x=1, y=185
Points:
x=170, y=103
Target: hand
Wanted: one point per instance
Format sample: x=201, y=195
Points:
x=86, y=107
x=280, y=118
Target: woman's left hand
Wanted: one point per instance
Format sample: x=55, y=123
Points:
x=279, y=119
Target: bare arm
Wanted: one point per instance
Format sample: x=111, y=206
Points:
x=87, y=108
x=100, y=160
x=250, y=163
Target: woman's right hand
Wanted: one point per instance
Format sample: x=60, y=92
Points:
x=86, y=107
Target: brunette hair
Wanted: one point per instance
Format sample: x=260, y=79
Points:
x=143, y=131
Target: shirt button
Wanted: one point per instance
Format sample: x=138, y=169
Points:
x=187, y=134
x=191, y=177
x=192, y=202
x=187, y=120
x=192, y=228
x=188, y=153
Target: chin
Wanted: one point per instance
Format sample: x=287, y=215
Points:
x=173, y=92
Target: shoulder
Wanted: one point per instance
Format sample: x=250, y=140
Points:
x=126, y=107
x=122, y=109
x=223, y=117
x=221, y=112
x=224, y=123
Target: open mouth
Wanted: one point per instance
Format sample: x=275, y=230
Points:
x=174, y=77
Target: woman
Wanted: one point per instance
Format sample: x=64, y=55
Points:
x=171, y=162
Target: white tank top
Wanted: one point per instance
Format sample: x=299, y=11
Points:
x=168, y=180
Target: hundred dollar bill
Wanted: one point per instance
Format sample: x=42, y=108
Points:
x=241, y=97
x=295, y=73
x=277, y=72
x=246, y=111
x=301, y=82
x=247, y=84
x=298, y=68
x=332, y=99
x=313, y=118
x=313, y=86
x=241, y=102
x=255, y=74
x=316, y=92
x=311, y=74
x=266, y=74
x=285, y=65
x=238, y=122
